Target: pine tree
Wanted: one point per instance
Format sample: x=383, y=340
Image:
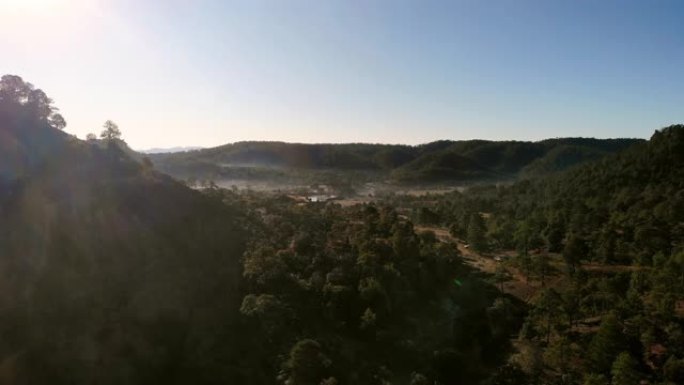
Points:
x=595, y=379
x=606, y=344
x=624, y=370
x=305, y=365
x=476, y=233
x=541, y=266
x=575, y=249
x=673, y=370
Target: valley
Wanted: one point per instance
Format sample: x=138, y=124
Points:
x=327, y=266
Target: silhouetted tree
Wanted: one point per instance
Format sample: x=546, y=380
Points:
x=57, y=121
x=111, y=131
x=39, y=104
x=13, y=89
x=16, y=95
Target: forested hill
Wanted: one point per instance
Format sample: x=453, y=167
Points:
x=624, y=208
x=599, y=254
x=432, y=162
x=108, y=266
x=627, y=207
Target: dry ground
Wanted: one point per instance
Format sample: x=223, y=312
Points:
x=518, y=285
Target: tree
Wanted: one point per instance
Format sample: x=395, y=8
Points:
x=419, y=379
x=306, y=364
x=676, y=266
x=526, y=237
x=111, y=131
x=270, y=311
x=595, y=379
x=606, y=344
x=264, y=266
x=39, y=104
x=368, y=319
x=476, y=233
x=549, y=308
x=525, y=263
x=427, y=216
x=509, y=374
x=57, y=121
x=575, y=249
x=501, y=276
x=17, y=95
x=624, y=370
x=554, y=237
x=541, y=266
x=91, y=137
x=559, y=354
x=673, y=370
x=14, y=90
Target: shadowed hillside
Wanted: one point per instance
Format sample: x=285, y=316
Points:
x=109, y=268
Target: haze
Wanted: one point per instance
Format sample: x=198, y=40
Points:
x=203, y=73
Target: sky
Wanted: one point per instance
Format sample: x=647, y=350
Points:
x=209, y=72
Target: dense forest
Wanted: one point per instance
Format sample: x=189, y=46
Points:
x=115, y=273
x=436, y=162
x=605, y=241
x=368, y=298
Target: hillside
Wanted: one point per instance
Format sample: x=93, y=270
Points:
x=627, y=206
x=599, y=250
x=117, y=274
x=442, y=161
x=109, y=267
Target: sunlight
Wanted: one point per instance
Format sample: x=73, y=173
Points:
x=31, y=5
x=64, y=20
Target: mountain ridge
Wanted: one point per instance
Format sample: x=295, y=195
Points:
x=439, y=161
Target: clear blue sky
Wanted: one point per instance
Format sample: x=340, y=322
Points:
x=203, y=72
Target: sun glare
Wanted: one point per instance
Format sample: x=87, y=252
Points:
x=30, y=5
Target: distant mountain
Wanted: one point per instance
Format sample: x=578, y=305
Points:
x=441, y=161
x=168, y=150
x=479, y=159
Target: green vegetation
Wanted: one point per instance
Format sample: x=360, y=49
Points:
x=437, y=162
x=366, y=298
x=115, y=273
x=609, y=235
